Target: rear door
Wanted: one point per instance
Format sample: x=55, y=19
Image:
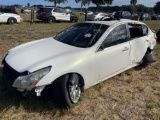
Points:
x=139, y=41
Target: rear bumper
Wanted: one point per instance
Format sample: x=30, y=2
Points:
x=41, y=18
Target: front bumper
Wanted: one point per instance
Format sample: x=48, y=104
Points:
x=10, y=75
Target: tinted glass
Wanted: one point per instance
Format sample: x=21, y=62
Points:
x=145, y=30
x=48, y=9
x=82, y=35
x=95, y=13
x=57, y=10
x=116, y=36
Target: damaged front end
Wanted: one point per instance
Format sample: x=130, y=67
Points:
x=24, y=82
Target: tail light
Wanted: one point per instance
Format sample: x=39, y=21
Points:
x=43, y=13
x=156, y=38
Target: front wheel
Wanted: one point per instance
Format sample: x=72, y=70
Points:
x=50, y=20
x=67, y=90
x=12, y=21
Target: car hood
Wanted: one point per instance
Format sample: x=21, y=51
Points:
x=26, y=56
x=10, y=14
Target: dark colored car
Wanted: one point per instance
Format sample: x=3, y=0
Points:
x=74, y=17
x=145, y=16
x=8, y=9
x=154, y=17
x=123, y=14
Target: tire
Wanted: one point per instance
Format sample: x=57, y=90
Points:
x=12, y=21
x=150, y=57
x=67, y=90
x=50, y=20
x=71, y=20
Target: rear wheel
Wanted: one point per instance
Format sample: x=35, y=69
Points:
x=149, y=57
x=12, y=21
x=51, y=20
x=67, y=90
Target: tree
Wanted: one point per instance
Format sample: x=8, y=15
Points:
x=28, y=5
x=101, y=2
x=157, y=7
x=133, y=2
x=109, y=2
x=83, y=2
x=57, y=1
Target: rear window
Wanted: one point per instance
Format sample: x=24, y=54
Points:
x=82, y=35
x=45, y=9
x=95, y=13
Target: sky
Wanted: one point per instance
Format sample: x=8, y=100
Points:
x=148, y=3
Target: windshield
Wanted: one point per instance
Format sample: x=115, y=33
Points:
x=96, y=13
x=82, y=35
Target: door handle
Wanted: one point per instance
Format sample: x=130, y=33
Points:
x=147, y=40
x=125, y=49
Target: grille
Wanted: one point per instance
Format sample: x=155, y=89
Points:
x=9, y=74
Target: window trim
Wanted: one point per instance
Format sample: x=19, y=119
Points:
x=138, y=36
x=100, y=48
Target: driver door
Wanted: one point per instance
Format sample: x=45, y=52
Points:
x=115, y=55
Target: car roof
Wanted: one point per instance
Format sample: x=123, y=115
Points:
x=109, y=23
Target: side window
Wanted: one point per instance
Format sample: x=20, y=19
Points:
x=62, y=11
x=145, y=30
x=48, y=10
x=56, y=10
x=117, y=36
x=135, y=30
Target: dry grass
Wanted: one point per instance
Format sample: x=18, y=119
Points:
x=132, y=95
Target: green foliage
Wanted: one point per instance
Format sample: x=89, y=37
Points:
x=138, y=8
x=83, y=2
x=57, y=1
x=102, y=2
x=133, y=2
x=28, y=5
x=157, y=7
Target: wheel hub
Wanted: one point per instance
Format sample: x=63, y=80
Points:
x=75, y=92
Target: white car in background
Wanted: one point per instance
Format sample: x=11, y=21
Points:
x=10, y=18
x=27, y=10
x=78, y=58
x=96, y=16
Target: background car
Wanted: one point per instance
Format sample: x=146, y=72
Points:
x=75, y=59
x=123, y=14
x=154, y=17
x=145, y=16
x=88, y=13
x=52, y=14
x=27, y=10
x=96, y=16
x=8, y=9
x=74, y=17
x=10, y=18
x=106, y=18
x=158, y=17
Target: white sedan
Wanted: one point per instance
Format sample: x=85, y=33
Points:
x=77, y=58
x=10, y=18
x=96, y=16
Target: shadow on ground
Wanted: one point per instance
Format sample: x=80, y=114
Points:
x=34, y=104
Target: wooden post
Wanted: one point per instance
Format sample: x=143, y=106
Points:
x=32, y=16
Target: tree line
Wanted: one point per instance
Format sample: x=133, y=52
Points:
x=100, y=6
